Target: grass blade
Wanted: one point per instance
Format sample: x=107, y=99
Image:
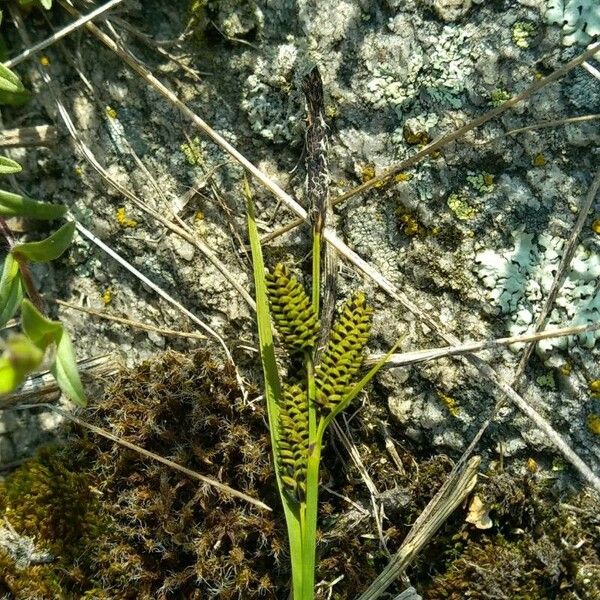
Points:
x=272, y=385
x=15, y=205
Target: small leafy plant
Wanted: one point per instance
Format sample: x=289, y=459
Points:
x=23, y=353
x=316, y=389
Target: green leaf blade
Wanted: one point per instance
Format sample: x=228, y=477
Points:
x=273, y=394
x=38, y=328
x=66, y=372
x=11, y=290
x=8, y=166
x=9, y=81
x=50, y=248
x=15, y=205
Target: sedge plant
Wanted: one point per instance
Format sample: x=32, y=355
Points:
x=318, y=386
x=42, y=339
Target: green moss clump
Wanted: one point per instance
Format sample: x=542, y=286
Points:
x=48, y=500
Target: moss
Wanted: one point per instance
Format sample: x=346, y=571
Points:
x=540, y=546
x=49, y=500
x=122, y=527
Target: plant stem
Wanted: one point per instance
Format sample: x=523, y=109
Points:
x=316, y=271
x=24, y=269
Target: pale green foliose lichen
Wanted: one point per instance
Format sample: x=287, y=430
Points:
x=518, y=281
x=579, y=19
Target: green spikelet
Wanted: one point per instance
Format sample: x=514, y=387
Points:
x=293, y=440
x=342, y=356
x=292, y=311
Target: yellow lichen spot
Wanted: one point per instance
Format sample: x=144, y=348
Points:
x=565, y=369
x=532, y=465
x=414, y=138
x=488, y=179
x=367, y=173
x=410, y=224
x=402, y=177
x=44, y=61
x=198, y=216
x=594, y=387
x=593, y=424
x=78, y=171
x=123, y=220
x=596, y=226
x=539, y=75
x=461, y=208
x=107, y=297
x=450, y=403
x=111, y=113
x=539, y=160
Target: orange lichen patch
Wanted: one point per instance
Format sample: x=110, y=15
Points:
x=44, y=61
x=532, y=465
x=594, y=387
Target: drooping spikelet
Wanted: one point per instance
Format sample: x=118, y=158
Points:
x=293, y=440
x=292, y=311
x=342, y=356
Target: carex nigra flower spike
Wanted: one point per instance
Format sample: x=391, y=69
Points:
x=342, y=356
x=291, y=310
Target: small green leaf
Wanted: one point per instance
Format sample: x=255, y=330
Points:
x=39, y=329
x=9, y=81
x=20, y=357
x=47, y=4
x=43, y=332
x=9, y=166
x=50, y=248
x=66, y=373
x=14, y=205
x=11, y=290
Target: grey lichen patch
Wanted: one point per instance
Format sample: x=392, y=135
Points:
x=579, y=19
x=519, y=279
x=271, y=100
x=402, y=72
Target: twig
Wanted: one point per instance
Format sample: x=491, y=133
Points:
x=417, y=356
x=40, y=135
x=456, y=488
x=543, y=125
x=136, y=324
x=60, y=34
x=146, y=453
